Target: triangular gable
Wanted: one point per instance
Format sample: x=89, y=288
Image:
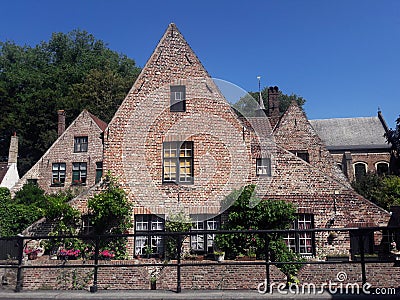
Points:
x=295, y=133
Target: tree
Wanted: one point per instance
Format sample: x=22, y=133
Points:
x=382, y=190
x=71, y=71
x=249, y=213
x=393, y=137
x=248, y=104
x=111, y=213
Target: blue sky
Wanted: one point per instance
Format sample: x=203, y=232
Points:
x=343, y=56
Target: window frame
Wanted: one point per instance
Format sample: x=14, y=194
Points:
x=293, y=240
x=82, y=173
x=260, y=165
x=141, y=241
x=177, y=104
x=358, y=177
x=300, y=153
x=56, y=174
x=207, y=223
x=381, y=163
x=172, y=160
x=99, y=171
x=81, y=144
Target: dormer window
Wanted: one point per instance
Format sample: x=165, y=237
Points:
x=178, y=98
x=81, y=144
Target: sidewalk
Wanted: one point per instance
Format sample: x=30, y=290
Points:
x=185, y=294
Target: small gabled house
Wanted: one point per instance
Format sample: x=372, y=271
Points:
x=358, y=145
x=8, y=170
x=75, y=160
x=176, y=145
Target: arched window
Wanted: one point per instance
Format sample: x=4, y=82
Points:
x=360, y=170
x=382, y=168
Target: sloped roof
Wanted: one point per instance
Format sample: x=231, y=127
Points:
x=351, y=133
x=102, y=125
x=3, y=170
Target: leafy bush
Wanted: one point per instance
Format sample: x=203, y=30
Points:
x=175, y=223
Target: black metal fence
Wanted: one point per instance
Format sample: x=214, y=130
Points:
x=13, y=251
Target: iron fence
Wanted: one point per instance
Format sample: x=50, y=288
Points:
x=14, y=248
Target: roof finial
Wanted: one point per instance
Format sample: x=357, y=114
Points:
x=260, y=99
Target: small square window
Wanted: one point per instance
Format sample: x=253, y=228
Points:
x=263, y=166
x=81, y=144
x=302, y=154
x=178, y=98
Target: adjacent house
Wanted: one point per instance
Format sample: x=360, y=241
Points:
x=358, y=145
x=75, y=160
x=8, y=170
x=176, y=145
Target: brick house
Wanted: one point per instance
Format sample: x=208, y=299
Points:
x=357, y=145
x=176, y=145
x=74, y=160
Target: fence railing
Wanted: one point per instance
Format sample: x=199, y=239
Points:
x=15, y=250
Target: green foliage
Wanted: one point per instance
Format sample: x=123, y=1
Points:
x=248, y=104
x=111, y=212
x=175, y=223
x=249, y=213
x=30, y=204
x=71, y=71
x=382, y=190
x=393, y=137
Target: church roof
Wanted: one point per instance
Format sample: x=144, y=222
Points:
x=352, y=133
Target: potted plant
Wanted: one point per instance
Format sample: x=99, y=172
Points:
x=32, y=253
x=106, y=254
x=219, y=255
x=153, y=282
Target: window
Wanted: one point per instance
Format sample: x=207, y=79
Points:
x=360, y=170
x=99, y=171
x=302, y=242
x=340, y=166
x=79, y=173
x=367, y=240
x=203, y=243
x=58, y=174
x=153, y=243
x=301, y=154
x=382, y=168
x=81, y=144
x=178, y=98
x=178, y=162
x=87, y=227
x=263, y=166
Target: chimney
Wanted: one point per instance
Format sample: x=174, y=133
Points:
x=273, y=105
x=61, y=122
x=13, y=152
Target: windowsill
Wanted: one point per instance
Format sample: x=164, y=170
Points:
x=264, y=175
x=78, y=184
x=177, y=183
x=80, y=151
x=57, y=185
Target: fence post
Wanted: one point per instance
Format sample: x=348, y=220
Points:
x=20, y=242
x=362, y=257
x=267, y=265
x=178, y=267
x=93, y=288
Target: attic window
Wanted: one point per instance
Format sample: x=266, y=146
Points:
x=302, y=154
x=81, y=144
x=178, y=98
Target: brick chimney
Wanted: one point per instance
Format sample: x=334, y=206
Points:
x=61, y=122
x=273, y=105
x=13, y=152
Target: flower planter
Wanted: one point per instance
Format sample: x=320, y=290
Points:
x=337, y=258
x=245, y=258
x=32, y=255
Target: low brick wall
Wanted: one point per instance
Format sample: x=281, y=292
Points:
x=216, y=276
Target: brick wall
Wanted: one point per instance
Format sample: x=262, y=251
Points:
x=211, y=277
